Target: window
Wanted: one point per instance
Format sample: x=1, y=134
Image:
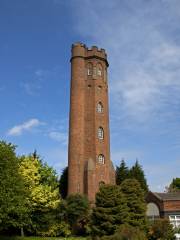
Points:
x=99, y=72
x=89, y=69
x=94, y=72
x=100, y=133
x=89, y=72
x=101, y=159
x=99, y=107
x=101, y=183
x=152, y=211
x=99, y=69
x=175, y=220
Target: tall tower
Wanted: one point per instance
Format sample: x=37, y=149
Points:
x=89, y=163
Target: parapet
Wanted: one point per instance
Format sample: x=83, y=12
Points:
x=80, y=50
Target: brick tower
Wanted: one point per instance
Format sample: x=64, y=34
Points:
x=89, y=162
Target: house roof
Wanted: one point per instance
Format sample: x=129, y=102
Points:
x=167, y=196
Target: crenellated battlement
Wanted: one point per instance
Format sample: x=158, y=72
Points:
x=81, y=50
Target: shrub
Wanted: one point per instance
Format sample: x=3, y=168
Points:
x=127, y=232
x=161, y=229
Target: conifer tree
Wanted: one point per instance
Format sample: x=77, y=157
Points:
x=110, y=211
x=137, y=172
x=134, y=197
x=77, y=210
x=175, y=185
x=63, y=183
x=122, y=172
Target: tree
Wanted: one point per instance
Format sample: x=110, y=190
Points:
x=161, y=229
x=13, y=204
x=137, y=172
x=77, y=209
x=175, y=185
x=110, y=211
x=134, y=197
x=122, y=172
x=44, y=198
x=63, y=183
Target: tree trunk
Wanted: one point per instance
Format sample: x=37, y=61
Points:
x=22, y=232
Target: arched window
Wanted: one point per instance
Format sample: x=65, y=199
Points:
x=100, y=133
x=99, y=70
x=99, y=107
x=89, y=69
x=101, y=159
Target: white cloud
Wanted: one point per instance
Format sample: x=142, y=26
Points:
x=26, y=126
x=59, y=136
x=144, y=56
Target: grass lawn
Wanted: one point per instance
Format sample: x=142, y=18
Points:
x=41, y=238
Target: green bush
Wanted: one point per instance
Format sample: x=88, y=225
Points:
x=161, y=229
x=127, y=232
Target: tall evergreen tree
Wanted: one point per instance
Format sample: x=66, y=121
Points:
x=137, y=172
x=134, y=197
x=110, y=211
x=63, y=183
x=122, y=172
x=175, y=185
x=77, y=209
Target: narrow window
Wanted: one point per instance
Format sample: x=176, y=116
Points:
x=99, y=107
x=99, y=69
x=89, y=69
x=100, y=133
x=99, y=72
x=94, y=72
x=101, y=159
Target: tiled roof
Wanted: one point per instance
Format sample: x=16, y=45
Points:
x=168, y=196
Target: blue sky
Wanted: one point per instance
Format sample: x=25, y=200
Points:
x=142, y=39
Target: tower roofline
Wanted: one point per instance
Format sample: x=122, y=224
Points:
x=80, y=50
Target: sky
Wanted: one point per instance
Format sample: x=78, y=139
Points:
x=142, y=40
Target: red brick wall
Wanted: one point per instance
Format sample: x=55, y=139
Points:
x=86, y=92
x=173, y=205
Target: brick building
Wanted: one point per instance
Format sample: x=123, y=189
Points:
x=164, y=205
x=89, y=162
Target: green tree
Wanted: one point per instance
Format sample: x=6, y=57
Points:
x=134, y=197
x=44, y=198
x=137, y=172
x=77, y=209
x=63, y=183
x=161, y=229
x=122, y=172
x=175, y=185
x=110, y=211
x=13, y=204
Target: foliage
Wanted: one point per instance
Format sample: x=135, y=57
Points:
x=175, y=185
x=161, y=229
x=134, y=197
x=77, y=210
x=137, y=172
x=126, y=232
x=63, y=183
x=39, y=238
x=13, y=210
x=122, y=172
x=43, y=198
x=110, y=211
